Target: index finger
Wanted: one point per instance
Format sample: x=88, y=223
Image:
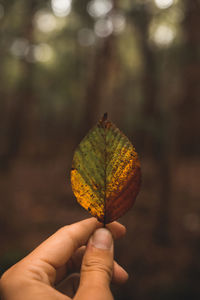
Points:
x=58, y=248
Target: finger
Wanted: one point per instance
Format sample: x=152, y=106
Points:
x=118, y=230
x=57, y=249
x=42, y=263
x=70, y=285
x=97, y=267
x=74, y=265
x=120, y=275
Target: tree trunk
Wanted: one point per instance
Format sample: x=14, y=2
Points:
x=20, y=112
x=152, y=140
x=188, y=110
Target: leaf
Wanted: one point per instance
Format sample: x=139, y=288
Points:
x=105, y=173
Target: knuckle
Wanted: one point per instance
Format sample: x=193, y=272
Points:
x=97, y=265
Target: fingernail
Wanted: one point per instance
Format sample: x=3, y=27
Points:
x=102, y=239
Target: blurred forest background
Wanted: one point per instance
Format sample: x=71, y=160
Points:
x=63, y=64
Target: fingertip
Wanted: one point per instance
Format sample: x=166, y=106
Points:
x=120, y=275
x=92, y=220
x=122, y=228
x=102, y=239
x=117, y=229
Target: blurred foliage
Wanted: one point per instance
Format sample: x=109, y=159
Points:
x=52, y=49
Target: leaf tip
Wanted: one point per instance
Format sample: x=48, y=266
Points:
x=103, y=122
x=105, y=117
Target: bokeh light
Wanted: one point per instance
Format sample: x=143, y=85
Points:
x=43, y=52
x=163, y=35
x=118, y=21
x=99, y=8
x=103, y=27
x=19, y=47
x=45, y=21
x=163, y=4
x=61, y=8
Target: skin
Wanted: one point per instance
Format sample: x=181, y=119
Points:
x=50, y=271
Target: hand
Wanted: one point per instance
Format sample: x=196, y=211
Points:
x=36, y=276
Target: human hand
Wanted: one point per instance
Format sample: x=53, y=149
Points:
x=37, y=275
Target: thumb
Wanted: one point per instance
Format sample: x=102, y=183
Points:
x=97, y=267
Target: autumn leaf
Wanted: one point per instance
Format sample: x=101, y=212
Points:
x=105, y=173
